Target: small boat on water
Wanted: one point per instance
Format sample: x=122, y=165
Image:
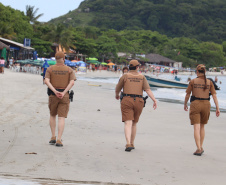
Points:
x=155, y=81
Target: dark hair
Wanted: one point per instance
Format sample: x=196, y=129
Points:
x=2, y=57
x=132, y=67
x=203, y=71
x=125, y=68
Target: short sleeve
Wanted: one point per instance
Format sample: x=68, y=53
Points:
x=212, y=88
x=72, y=75
x=190, y=86
x=146, y=86
x=120, y=84
x=48, y=73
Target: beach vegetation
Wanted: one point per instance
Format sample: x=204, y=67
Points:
x=104, y=42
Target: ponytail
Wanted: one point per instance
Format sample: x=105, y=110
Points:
x=205, y=81
x=204, y=74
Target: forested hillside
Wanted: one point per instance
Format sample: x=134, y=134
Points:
x=105, y=43
x=14, y=24
x=204, y=20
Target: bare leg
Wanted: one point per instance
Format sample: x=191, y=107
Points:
x=52, y=123
x=134, y=131
x=128, y=130
x=202, y=134
x=61, y=123
x=197, y=135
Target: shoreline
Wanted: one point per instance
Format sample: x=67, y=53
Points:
x=94, y=140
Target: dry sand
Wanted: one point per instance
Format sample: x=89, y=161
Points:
x=94, y=140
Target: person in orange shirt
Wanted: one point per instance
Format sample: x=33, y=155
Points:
x=200, y=88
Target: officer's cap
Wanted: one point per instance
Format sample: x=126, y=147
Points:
x=201, y=67
x=133, y=63
x=59, y=55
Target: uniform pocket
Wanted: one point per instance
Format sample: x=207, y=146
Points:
x=194, y=107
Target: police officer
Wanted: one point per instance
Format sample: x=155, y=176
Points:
x=59, y=78
x=133, y=84
x=200, y=88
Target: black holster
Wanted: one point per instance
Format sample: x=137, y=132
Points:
x=71, y=94
x=145, y=98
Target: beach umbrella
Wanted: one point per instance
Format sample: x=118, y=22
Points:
x=51, y=62
x=110, y=64
x=91, y=58
x=93, y=62
x=103, y=63
x=82, y=64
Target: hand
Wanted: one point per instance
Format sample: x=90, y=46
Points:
x=217, y=112
x=60, y=95
x=185, y=107
x=155, y=105
x=117, y=97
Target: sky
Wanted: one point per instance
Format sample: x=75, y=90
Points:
x=50, y=8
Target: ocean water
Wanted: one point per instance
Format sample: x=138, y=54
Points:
x=172, y=95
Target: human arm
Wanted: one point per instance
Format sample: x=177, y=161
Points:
x=47, y=82
x=216, y=104
x=70, y=85
x=214, y=94
x=188, y=93
x=186, y=101
x=151, y=95
x=119, y=87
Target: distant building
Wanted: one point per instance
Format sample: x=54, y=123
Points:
x=159, y=60
x=17, y=50
x=152, y=58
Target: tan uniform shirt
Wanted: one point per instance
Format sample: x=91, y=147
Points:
x=60, y=75
x=132, y=83
x=196, y=86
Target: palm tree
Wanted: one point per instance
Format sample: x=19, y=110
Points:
x=31, y=13
x=62, y=36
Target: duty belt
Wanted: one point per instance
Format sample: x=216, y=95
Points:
x=133, y=95
x=50, y=92
x=193, y=98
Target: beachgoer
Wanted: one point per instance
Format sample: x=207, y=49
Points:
x=11, y=62
x=189, y=79
x=200, y=105
x=44, y=68
x=124, y=71
x=2, y=64
x=59, y=78
x=216, y=79
x=133, y=84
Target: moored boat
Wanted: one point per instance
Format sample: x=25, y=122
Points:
x=155, y=81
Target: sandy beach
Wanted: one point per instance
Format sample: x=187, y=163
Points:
x=94, y=142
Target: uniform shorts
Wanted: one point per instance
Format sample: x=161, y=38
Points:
x=58, y=106
x=131, y=110
x=199, y=111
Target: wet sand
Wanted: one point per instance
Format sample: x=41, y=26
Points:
x=94, y=142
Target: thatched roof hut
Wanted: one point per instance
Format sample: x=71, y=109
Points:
x=158, y=59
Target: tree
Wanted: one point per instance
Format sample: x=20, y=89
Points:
x=61, y=35
x=31, y=13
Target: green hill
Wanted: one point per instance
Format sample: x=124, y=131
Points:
x=201, y=19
